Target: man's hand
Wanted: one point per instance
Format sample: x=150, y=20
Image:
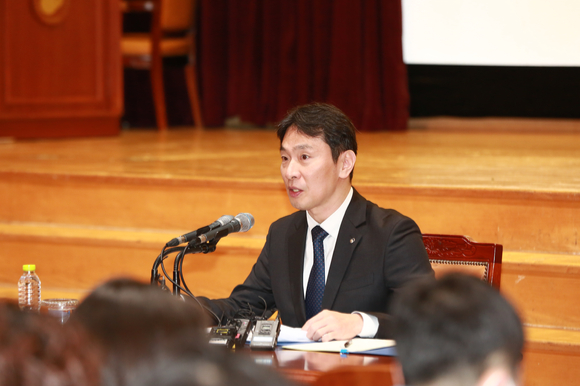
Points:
x=331, y=325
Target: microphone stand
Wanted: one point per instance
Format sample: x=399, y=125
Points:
x=207, y=247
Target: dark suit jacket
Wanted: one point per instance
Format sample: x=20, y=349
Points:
x=377, y=251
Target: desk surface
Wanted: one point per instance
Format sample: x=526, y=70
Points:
x=305, y=367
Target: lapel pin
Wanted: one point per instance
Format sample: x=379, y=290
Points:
x=352, y=240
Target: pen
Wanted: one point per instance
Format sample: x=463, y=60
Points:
x=344, y=351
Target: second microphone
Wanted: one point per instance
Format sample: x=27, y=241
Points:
x=243, y=222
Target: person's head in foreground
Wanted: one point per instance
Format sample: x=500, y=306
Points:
x=213, y=366
x=457, y=330
x=134, y=322
x=36, y=350
x=151, y=337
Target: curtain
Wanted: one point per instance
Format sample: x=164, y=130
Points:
x=259, y=58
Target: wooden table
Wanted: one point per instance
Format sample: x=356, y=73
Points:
x=305, y=366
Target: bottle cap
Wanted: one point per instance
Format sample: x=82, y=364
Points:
x=29, y=267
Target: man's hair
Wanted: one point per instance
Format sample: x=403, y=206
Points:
x=325, y=121
x=454, y=327
x=177, y=365
x=133, y=321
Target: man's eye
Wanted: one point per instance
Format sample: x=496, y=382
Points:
x=304, y=156
x=284, y=158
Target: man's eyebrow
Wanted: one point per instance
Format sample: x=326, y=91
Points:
x=298, y=147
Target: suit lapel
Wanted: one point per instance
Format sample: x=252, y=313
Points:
x=348, y=238
x=296, y=245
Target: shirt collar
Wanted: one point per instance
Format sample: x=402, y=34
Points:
x=332, y=224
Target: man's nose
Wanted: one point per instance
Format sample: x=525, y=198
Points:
x=292, y=170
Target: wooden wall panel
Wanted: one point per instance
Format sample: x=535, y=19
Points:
x=65, y=263
x=153, y=204
x=550, y=367
x=534, y=291
x=519, y=223
x=60, y=68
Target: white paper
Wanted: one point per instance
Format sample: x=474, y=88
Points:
x=292, y=335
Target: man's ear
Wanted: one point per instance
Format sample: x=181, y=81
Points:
x=346, y=162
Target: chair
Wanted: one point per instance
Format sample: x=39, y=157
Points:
x=458, y=253
x=371, y=375
x=171, y=35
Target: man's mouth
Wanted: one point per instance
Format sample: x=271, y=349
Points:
x=294, y=192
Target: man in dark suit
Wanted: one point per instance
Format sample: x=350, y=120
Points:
x=333, y=266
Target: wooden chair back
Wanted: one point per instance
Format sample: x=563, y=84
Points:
x=371, y=375
x=177, y=15
x=172, y=35
x=449, y=253
x=167, y=15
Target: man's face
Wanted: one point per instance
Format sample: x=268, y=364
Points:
x=310, y=174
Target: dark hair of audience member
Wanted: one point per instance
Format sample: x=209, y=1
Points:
x=325, y=121
x=215, y=366
x=130, y=320
x=36, y=350
x=457, y=326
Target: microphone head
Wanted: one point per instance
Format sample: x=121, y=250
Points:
x=225, y=219
x=246, y=220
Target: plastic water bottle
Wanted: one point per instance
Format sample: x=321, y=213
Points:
x=29, y=289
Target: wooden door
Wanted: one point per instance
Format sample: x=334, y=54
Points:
x=60, y=68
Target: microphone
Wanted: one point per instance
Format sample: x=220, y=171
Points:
x=243, y=222
x=223, y=220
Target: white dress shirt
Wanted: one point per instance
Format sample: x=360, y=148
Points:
x=332, y=225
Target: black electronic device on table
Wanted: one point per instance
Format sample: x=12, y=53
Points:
x=231, y=335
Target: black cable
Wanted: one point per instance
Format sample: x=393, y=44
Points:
x=160, y=258
x=164, y=254
x=165, y=272
x=183, y=286
x=188, y=292
x=182, y=278
x=165, y=257
x=245, y=312
x=265, y=306
x=167, y=276
x=204, y=248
